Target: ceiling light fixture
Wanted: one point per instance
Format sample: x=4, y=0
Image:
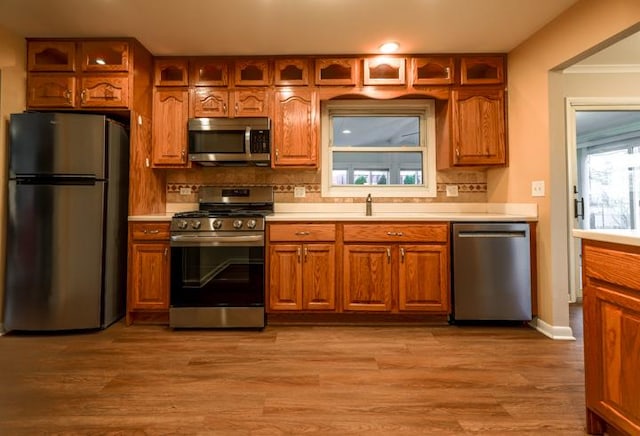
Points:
x=389, y=47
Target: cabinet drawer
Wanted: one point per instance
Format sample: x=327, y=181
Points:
x=610, y=264
x=307, y=232
x=393, y=232
x=149, y=231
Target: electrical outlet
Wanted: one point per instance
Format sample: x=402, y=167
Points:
x=299, y=192
x=185, y=191
x=537, y=188
x=452, y=190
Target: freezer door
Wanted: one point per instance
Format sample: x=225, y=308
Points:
x=57, y=143
x=54, y=256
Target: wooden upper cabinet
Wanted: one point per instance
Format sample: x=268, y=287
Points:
x=336, y=71
x=432, y=70
x=209, y=72
x=216, y=102
x=171, y=72
x=291, y=72
x=481, y=70
x=104, y=91
x=478, y=124
x=169, y=136
x=51, y=91
x=252, y=72
x=107, y=55
x=384, y=70
x=51, y=56
x=294, y=139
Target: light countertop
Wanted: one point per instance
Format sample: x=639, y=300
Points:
x=617, y=236
x=381, y=212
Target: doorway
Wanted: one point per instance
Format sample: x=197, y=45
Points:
x=603, y=146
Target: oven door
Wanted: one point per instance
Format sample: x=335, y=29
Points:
x=217, y=281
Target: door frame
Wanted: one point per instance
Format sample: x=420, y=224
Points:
x=573, y=105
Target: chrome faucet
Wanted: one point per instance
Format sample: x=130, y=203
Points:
x=369, y=202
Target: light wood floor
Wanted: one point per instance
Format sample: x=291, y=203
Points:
x=151, y=380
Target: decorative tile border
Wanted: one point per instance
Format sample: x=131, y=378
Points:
x=314, y=188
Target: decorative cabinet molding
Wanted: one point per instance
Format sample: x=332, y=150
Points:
x=432, y=70
x=384, y=70
x=336, y=71
x=482, y=70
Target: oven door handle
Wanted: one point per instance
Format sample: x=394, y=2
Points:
x=192, y=240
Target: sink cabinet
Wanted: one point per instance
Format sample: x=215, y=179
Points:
x=301, y=267
x=611, y=305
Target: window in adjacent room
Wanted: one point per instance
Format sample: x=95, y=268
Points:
x=382, y=147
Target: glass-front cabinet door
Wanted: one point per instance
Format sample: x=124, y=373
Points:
x=51, y=56
x=105, y=55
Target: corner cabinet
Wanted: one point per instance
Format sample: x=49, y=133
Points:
x=478, y=129
x=395, y=267
x=611, y=305
x=302, y=266
x=148, y=275
x=295, y=127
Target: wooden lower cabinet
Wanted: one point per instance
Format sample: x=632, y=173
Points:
x=302, y=265
x=423, y=277
x=611, y=304
x=367, y=277
x=149, y=266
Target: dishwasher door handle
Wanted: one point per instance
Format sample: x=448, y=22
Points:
x=485, y=234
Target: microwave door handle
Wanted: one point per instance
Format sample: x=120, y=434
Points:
x=247, y=140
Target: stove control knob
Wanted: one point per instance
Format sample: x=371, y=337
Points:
x=216, y=224
x=251, y=224
x=182, y=224
x=237, y=224
x=195, y=224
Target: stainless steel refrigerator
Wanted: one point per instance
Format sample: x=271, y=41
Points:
x=67, y=222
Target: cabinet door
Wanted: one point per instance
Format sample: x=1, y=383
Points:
x=294, y=139
x=105, y=55
x=291, y=72
x=423, y=280
x=250, y=103
x=252, y=72
x=319, y=276
x=481, y=70
x=432, y=70
x=336, y=71
x=478, y=127
x=367, y=277
x=51, y=56
x=51, y=91
x=104, y=92
x=209, y=72
x=169, y=136
x=171, y=72
x=384, y=71
x=285, y=277
x=210, y=102
x=149, y=276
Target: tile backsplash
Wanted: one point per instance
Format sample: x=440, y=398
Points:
x=183, y=185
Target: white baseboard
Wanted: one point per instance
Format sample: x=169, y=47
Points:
x=559, y=333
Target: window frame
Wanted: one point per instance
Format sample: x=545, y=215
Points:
x=423, y=108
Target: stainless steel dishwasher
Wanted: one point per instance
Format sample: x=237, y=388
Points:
x=491, y=277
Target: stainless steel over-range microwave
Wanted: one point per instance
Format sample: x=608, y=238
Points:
x=230, y=141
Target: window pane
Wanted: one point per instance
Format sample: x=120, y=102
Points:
x=384, y=168
x=376, y=131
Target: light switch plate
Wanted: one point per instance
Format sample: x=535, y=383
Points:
x=452, y=190
x=537, y=188
x=299, y=192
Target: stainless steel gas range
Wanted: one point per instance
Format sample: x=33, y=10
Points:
x=218, y=259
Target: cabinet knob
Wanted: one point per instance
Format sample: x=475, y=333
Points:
x=224, y=108
x=67, y=95
x=388, y=255
x=83, y=95
x=402, y=255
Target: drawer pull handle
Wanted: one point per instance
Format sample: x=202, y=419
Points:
x=306, y=252
x=299, y=253
x=402, y=255
x=388, y=255
x=302, y=233
x=151, y=232
x=392, y=234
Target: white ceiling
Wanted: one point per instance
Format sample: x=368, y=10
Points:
x=263, y=27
